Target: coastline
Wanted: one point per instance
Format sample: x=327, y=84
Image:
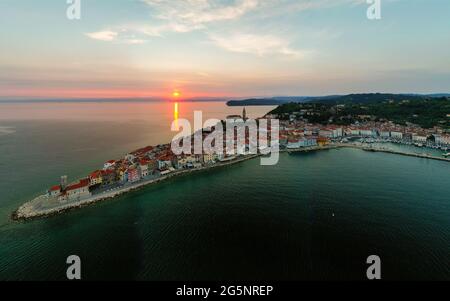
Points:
x=28, y=210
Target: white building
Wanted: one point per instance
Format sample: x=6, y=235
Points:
x=442, y=139
x=338, y=132
x=293, y=144
x=396, y=135
x=419, y=138
x=355, y=132
x=385, y=134
x=366, y=133
x=143, y=169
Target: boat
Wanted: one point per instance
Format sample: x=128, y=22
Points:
x=446, y=155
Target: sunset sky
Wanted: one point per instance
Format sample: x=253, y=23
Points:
x=219, y=48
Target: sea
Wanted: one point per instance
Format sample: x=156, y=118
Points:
x=313, y=216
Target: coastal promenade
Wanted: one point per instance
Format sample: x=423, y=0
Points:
x=45, y=205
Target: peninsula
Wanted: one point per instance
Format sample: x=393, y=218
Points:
x=299, y=131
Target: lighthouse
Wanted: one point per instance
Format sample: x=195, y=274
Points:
x=244, y=114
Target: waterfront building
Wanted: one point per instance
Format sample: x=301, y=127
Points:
x=95, y=178
x=323, y=141
x=109, y=164
x=166, y=161
x=208, y=158
x=365, y=132
x=326, y=133
x=152, y=165
x=54, y=191
x=355, y=132
x=143, y=168
x=122, y=174
x=181, y=162
x=337, y=132
x=419, y=138
x=307, y=132
x=108, y=176
x=442, y=140
x=397, y=135
x=293, y=143
x=310, y=141
x=385, y=134
x=78, y=190
x=408, y=136
x=133, y=174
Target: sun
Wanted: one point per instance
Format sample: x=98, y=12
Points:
x=176, y=94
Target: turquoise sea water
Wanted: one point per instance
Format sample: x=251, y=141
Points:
x=312, y=216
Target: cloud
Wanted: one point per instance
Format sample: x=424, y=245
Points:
x=134, y=41
x=212, y=17
x=103, y=35
x=189, y=15
x=122, y=37
x=260, y=45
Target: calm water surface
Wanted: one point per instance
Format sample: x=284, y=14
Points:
x=312, y=216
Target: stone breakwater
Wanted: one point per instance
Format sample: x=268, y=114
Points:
x=389, y=151
x=38, y=208
x=366, y=148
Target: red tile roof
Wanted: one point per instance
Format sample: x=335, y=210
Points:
x=55, y=188
x=95, y=174
x=107, y=172
x=83, y=183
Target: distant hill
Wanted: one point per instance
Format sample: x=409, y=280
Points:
x=368, y=98
x=272, y=101
x=363, y=98
x=426, y=111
